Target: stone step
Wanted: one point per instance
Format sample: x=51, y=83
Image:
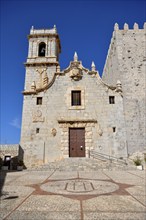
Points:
x=83, y=164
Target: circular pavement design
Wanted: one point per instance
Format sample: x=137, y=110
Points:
x=80, y=187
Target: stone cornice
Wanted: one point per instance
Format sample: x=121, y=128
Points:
x=41, y=64
x=37, y=35
x=71, y=121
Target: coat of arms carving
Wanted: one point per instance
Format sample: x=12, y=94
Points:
x=76, y=74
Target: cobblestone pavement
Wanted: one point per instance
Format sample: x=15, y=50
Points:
x=74, y=195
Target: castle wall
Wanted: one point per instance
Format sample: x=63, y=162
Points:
x=126, y=61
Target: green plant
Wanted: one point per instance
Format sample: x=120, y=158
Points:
x=137, y=161
x=145, y=159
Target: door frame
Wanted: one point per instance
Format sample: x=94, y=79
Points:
x=84, y=145
x=65, y=124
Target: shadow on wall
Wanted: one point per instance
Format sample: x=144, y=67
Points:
x=10, y=166
x=21, y=156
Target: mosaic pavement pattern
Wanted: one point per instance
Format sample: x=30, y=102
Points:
x=74, y=195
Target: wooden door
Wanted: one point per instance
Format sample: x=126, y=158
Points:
x=77, y=142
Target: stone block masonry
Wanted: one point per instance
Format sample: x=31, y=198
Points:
x=126, y=61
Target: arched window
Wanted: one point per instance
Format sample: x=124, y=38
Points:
x=42, y=49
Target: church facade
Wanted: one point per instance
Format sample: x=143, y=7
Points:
x=68, y=113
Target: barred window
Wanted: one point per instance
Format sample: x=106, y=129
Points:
x=75, y=98
x=114, y=129
x=37, y=130
x=39, y=101
x=111, y=99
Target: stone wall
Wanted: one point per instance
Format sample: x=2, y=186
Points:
x=9, y=150
x=126, y=61
x=56, y=115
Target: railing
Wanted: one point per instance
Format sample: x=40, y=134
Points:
x=97, y=155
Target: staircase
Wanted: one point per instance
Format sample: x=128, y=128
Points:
x=83, y=164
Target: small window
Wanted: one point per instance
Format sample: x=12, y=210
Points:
x=37, y=130
x=75, y=98
x=111, y=99
x=42, y=49
x=114, y=129
x=39, y=100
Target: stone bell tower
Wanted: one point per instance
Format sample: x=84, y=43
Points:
x=43, y=55
x=44, y=46
x=41, y=64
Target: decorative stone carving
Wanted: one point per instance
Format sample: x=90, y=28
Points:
x=45, y=80
x=75, y=69
x=118, y=86
x=76, y=74
x=75, y=57
x=93, y=68
x=33, y=86
x=55, y=28
x=37, y=116
x=41, y=71
x=58, y=69
x=54, y=132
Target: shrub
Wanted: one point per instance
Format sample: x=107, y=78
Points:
x=137, y=161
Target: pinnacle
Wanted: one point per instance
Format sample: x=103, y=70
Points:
x=93, y=64
x=75, y=56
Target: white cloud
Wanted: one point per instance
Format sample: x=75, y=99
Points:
x=15, y=122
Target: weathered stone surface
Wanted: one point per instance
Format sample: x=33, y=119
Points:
x=115, y=129
x=93, y=195
x=126, y=62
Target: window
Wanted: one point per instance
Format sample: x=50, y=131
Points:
x=75, y=98
x=37, y=130
x=39, y=101
x=42, y=49
x=114, y=129
x=111, y=99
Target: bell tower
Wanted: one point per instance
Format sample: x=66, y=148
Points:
x=44, y=47
x=41, y=66
x=43, y=57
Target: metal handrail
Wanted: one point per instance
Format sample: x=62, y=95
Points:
x=95, y=154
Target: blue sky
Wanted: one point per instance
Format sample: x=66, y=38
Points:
x=83, y=26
